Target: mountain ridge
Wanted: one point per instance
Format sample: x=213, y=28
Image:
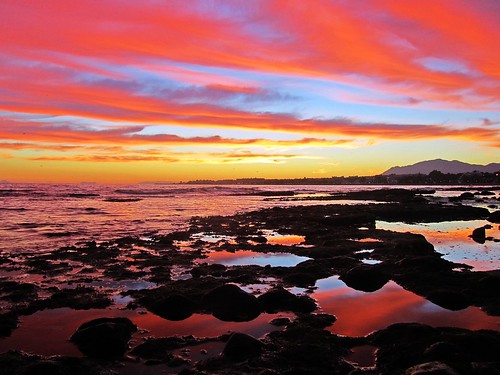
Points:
x=443, y=166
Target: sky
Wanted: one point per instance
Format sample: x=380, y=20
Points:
x=128, y=91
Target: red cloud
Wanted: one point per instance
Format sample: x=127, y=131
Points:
x=62, y=59
x=381, y=40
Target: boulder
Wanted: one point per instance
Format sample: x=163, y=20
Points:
x=366, y=278
x=479, y=235
x=494, y=217
x=105, y=338
x=230, y=303
x=466, y=195
x=174, y=307
x=241, y=346
x=280, y=299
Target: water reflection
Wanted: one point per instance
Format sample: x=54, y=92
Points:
x=246, y=258
x=274, y=238
x=47, y=332
x=359, y=313
x=451, y=238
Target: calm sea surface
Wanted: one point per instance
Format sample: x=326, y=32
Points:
x=42, y=217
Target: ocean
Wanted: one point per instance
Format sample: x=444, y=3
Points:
x=41, y=217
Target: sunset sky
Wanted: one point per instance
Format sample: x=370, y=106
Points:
x=129, y=91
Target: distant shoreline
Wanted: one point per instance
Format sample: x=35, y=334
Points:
x=434, y=179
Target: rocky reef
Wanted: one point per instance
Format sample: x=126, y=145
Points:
x=182, y=282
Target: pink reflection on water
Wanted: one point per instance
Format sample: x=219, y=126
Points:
x=47, y=332
x=359, y=313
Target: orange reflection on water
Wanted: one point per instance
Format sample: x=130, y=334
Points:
x=452, y=239
x=287, y=240
x=359, y=313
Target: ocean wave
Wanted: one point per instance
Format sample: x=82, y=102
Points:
x=111, y=199
x=220, y=190
x=83, y=195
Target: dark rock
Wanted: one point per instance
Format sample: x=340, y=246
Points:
x=479, y=235
x=426, y=263
x=8, y=322
x=431, y=368
x=280, y=322
x=280, y=299
x=466, y=195
x=230, y=303
x=489, y=283
x=174, y=307
x=486, y=192
x=407, y=346
x=300, y=279
x=401, y=332
x=366, y=278
x=494, y=217
x=442, y=351
x=44, y=367
x=80, y=298
x=241, y=346
x=104, y=337
x=20, y=363
x=490, y=368
x=285, y=193
x=316, y=321
x=177, y=361
x=216, y=270
x=449, y=299
x=160, y=348
x=17, y=292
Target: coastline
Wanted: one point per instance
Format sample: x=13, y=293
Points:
x=335, y=241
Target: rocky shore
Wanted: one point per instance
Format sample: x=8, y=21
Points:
x=185, y=283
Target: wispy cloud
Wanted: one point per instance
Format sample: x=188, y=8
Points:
x=121, y=68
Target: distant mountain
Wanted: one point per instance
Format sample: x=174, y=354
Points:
x=444, y=166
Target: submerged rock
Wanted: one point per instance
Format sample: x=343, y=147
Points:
x=105, y=338
x=230, y=303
